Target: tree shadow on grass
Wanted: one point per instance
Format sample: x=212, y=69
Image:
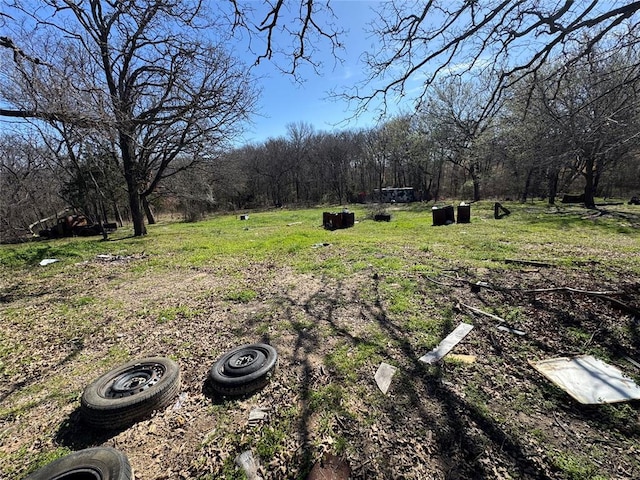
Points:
x=461, y=416
x=467, y=436
x=109, y=240
x=453, y=424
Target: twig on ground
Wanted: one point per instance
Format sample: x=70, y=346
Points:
x=487, y=314
x=570, y=290
x=560, y=424
x=632, y=362
x=623, y=306
x=588, y=342
x=439, y=283
x=529, y=262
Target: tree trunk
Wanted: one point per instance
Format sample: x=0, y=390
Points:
x=117, y=214
x=476, y=189
x=131, y=177
x=527, y=186
x=436, y=193
x=137, y=218
x=589, y=200
x=151, y=219
x=553, y=186
x=476, y=183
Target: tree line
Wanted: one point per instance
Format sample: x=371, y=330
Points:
x=130, y=107
x=573, y=130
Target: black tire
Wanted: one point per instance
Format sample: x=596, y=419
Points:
x=100, y=463
x=243, y=370
x=130, y=392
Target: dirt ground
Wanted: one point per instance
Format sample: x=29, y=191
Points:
x=495, y=418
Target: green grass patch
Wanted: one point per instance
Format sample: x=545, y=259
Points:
x=244, y=295
x=41, y=459
x=170, y=314
x=575, y=467
x=348, y=359
x=347, y=299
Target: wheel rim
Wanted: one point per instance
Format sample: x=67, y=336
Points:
x=133, y=381
x=244, y=362
x=80, y=474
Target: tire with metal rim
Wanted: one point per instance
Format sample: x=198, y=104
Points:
x=101, y=463
x=243, y=370
x=130, y=392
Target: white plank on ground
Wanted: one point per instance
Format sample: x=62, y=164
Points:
x=447, y=344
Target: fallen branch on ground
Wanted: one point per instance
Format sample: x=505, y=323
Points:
x=570, y=290
x=481, y=312
x=529, y=262
x=623, y=306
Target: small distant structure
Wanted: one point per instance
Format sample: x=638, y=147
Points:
x=500, y=211
x=443, y=215
x=568, y=198
x=396, y=195
x=76, y=226
x=333, y=221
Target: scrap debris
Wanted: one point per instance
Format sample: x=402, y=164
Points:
x=460, y=357
x=589, y=380
x=502, y=328
x=48, y=261
x=515, y=331
x=384, y=375
x=180, y=401
x=482, y=312
x=109, y=257
x=249, y=465
x=447, y=344
x=257, y=415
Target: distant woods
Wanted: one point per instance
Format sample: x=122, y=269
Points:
x=578, y=132
x=119, y=117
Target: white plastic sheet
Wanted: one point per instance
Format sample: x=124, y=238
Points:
x=48, y=261
x=589, y=380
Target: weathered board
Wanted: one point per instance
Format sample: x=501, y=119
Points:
x=447, y=344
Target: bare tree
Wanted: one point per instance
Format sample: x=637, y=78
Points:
x=455, y=111
x=288, y=33
x=574, y=126
x=28, y=186
x=598, y=108
x=275, y=165
x=300, y=137
x=145, y=75
x=507, y=39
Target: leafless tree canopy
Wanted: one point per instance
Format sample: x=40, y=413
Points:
x=148, y=75
x=289, y=33
x=509, y=39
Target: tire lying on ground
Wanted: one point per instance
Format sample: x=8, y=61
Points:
x=243, y=370
x=130, y=392
x=100, y=463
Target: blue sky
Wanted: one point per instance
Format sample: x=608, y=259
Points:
x=284, y=101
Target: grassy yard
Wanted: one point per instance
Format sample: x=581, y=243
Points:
x=335, y=304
